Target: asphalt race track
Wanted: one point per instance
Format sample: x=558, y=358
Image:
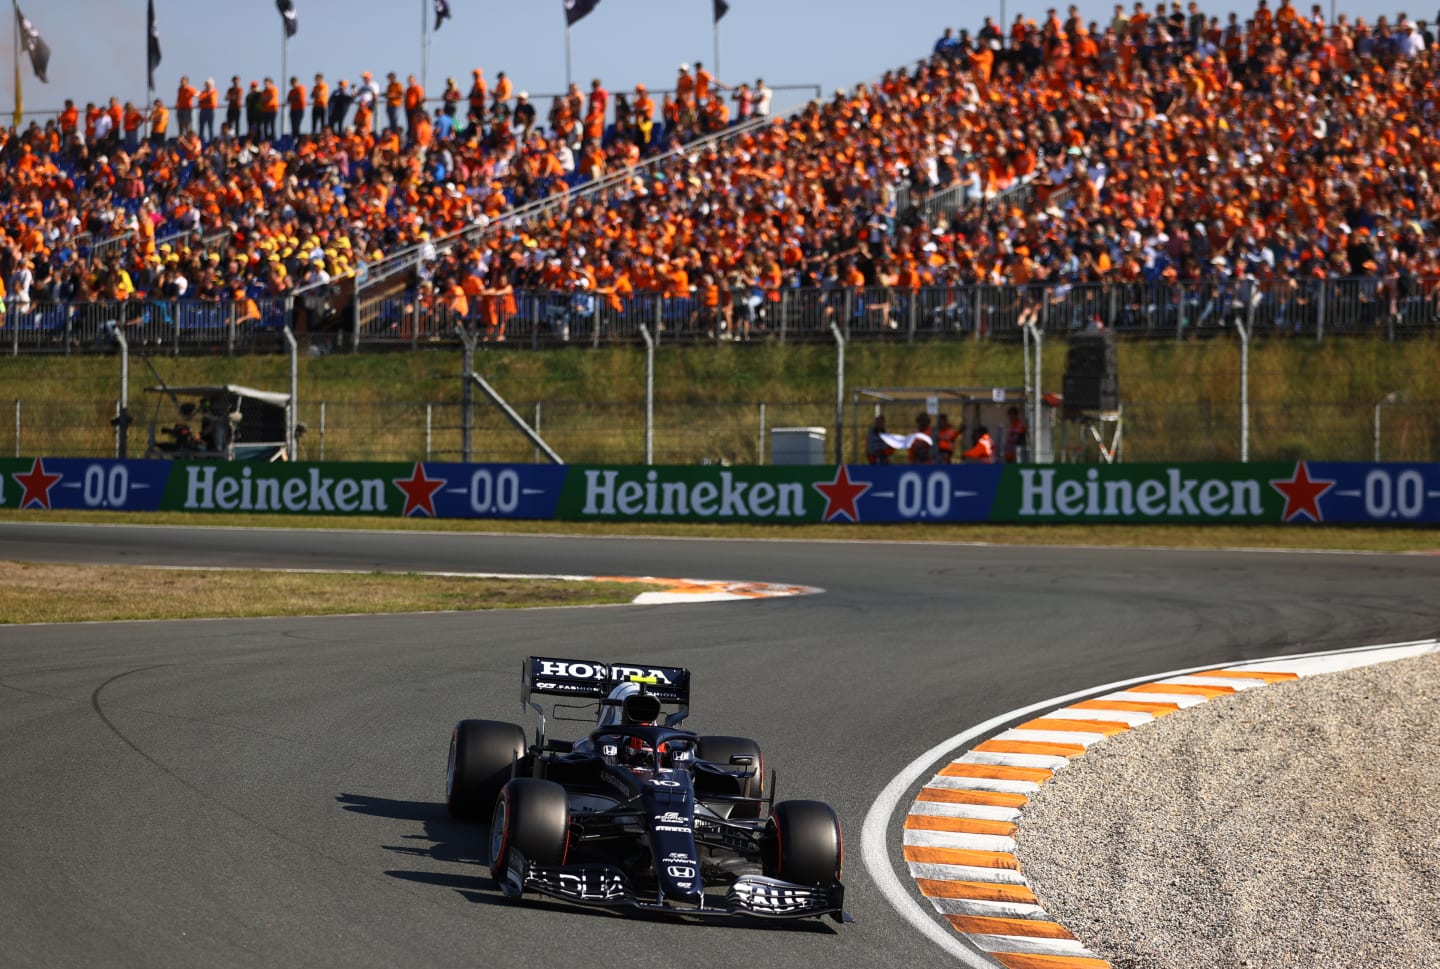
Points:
x=268, y=792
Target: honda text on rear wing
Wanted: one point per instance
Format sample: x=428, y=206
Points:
x=589, y=680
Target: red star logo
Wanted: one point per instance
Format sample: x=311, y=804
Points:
x=841, y=495
x=419, y=491
x=37, y=485
x=1302, y=494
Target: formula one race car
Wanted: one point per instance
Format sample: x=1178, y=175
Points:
x=639, y=814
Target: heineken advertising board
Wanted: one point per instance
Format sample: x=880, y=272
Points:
x=1267, y=493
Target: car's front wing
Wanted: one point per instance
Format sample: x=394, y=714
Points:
x=750, y=896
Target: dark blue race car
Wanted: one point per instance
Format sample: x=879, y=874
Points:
x=640, y=814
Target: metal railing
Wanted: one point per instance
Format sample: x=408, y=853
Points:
x=413, y=256
x=103, y=248
x=1390, y=307
x=410, y=257
x=44, y=116
x=159, y=326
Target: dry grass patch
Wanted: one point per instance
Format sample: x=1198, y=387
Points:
x=29, y=593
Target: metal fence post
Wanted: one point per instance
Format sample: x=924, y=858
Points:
x=230, y=332
x=783, y=309
x=912, y=300
x=759, y=441
x=1390, y=316
x=649, y=393
x=1320, y=311
x=293, y=348
x=1032, y=440
x=467, y=396
x=355, y=318
x=17, y=427
x=839, y=392
x=122, y=406
x=538, y=430
x=429, y=427
x=1244, y=329
x=322, y=430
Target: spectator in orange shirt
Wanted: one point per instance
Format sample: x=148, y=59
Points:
x=479, y=93
x=394, y=100
x=684, y=85
x=117, y=118
x=269, y=109
x=414, y=101
x=498, y=303
x=319, y=104
x=159, y=122
x=295, y=99
x=133, y=120
x=503, y=89
x=364, y=113
x=598, y=99
x=69, y=119
x=185, y=105
x=209, y=100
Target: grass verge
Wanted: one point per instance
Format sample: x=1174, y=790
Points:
x=27, y=593
x=1317, y=538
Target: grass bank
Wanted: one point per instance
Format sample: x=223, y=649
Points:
x=27, y=593
x=1181, y=400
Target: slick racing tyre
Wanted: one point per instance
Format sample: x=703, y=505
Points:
x=531, y=816
x=481, y=755
x=802, y=843
x=719, y=750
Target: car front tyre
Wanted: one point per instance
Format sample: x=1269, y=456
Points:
x=482, y=754
x=531, y=817
x=802, y=844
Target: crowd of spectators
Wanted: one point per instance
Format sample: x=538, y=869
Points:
x=1162, y=146
x=115, y=203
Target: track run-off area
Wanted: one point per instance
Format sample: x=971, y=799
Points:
x=270, y=791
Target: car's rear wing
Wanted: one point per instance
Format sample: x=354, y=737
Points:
x=588, y=679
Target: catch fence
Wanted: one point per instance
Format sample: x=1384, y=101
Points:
x=1388, y=307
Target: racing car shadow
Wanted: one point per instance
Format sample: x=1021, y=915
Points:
x=443, y=840
x=451, y=841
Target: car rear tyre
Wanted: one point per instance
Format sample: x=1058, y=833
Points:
x=532, y=817
x=802, y=843
x=482, y=753
x=719, y=750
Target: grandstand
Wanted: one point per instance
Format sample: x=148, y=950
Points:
x=1169, y=174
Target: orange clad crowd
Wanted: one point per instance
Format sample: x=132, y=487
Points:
x=116, y=203
x=1163, y=145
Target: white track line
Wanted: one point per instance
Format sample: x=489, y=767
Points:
x=874, y=840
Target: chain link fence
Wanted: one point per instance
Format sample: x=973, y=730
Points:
x=738, y=432
x=330, y=318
